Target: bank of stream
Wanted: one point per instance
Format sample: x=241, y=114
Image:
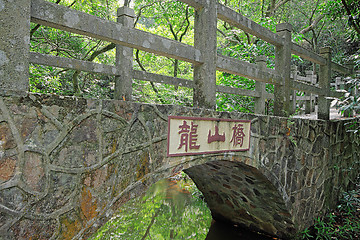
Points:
x=171, y=209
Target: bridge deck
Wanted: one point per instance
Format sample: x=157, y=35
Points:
x=334, y=114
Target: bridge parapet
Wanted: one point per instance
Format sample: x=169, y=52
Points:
x=68, y=163
x=15, y=56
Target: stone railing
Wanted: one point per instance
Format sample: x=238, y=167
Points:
x=309, y=100
x=15, y=56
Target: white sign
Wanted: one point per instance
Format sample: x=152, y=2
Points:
x=192, y=135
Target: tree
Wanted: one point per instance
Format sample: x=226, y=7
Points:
x=313, y=27
x=171, y=19
x=60, y=43
x=348, y=11
x=169, y=210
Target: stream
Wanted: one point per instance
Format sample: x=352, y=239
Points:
x=171, y=209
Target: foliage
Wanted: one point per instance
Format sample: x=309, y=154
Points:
x=348, y=10
x=171, y=19
x=351, y=100
x=231, y=102
x=316, y=23
x=350, y=103
x=169, y=210
x=55, y=42
x=343, y=223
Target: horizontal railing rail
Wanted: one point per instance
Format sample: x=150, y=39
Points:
x=247, y=70
x=237, y=20
x=64, y=18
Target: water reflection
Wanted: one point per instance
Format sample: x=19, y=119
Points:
x=171, y=209
x=222, y=231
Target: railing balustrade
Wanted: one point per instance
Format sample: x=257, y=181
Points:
x=203, y=54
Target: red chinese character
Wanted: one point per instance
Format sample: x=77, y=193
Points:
x=216, y=137
x=238, y=135
x=188, y=136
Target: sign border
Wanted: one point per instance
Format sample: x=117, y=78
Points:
x=204, y=119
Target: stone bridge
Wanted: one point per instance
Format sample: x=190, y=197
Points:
x=67, y=164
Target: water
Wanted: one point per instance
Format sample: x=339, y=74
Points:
x=171, y=209
x=224, y=231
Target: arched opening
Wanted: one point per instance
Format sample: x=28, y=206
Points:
x=235, y=193
x=172, y=208
x=242, y=195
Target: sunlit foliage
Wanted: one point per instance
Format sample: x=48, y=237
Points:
x=169, y=210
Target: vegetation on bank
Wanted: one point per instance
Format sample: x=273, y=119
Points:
x=341, y=223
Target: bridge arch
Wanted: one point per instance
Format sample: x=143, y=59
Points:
x=73, y=162
x=236, y=191
x=241, y=194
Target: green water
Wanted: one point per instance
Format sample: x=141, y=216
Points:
x=171, y=209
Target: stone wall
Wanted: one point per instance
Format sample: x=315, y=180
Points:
x=67, y=164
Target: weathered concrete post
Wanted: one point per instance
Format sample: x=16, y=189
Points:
x=294, y=70
x=314, y=96
x=354, y=90
x=14, y=46
x=351, y=89
x=205, y=41
x=324, y=83
x=283, y=67
x=124, y=58
x=339, y=84
x=260, y=88
x=308, y=103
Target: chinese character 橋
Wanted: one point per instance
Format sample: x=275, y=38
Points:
x=188, y=136
x=238, y=135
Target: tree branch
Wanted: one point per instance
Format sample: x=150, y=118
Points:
x=169, y=23
x=354, y=23
x=314, y=10
x=277, y=6
x=188, y=24
x=76, y=86
x=274, y=7
x=142, y=8
x=32, y=31
x=72, y=4
x=102, y=50
x=137, y=59
x=151, y=223
x=313, y=25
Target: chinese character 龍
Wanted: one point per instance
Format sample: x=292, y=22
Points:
x=188, y=136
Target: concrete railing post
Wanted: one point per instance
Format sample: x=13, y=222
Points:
x=205, y=41
x=14, y=46
x=308, y=103
x=314, y=96
x=338, y=84
x=351, y=89
x=324, y=84
x=354, y=89
x=260, y=88
x=124, y=59
x=283, y=68
x=294, y=70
